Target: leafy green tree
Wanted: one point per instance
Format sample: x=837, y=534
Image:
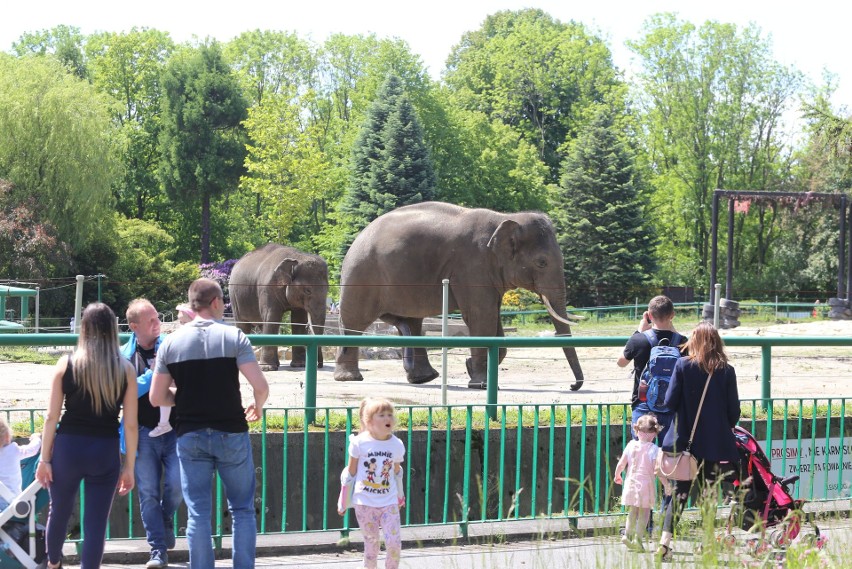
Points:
x=712, y=99
x=482, y=162
x=598, y=212
x=270, y=62
x=66, y=43
x=128, y=66
x=202, y=140
x=391, y=166
x=285, y=166
x=535, y=74
x=57, y=146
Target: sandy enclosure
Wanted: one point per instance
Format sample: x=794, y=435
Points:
x=527, y=375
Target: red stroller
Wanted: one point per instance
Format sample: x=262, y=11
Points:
x=766, y=500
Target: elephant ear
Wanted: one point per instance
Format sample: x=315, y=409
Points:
x=285, y=270
x=504, y=240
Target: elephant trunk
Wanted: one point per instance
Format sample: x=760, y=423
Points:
x=563, y=328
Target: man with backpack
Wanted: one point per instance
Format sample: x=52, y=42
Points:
x=657, y=337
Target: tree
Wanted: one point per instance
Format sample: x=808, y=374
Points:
x=65, y=43
x=57, y=146
x=391, y=166
x=127, y=67
x=535, y=74
x=599, y=215
x=202, y=141
x=713, y=99
x=29, y=248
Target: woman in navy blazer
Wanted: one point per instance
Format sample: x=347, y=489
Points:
x=713, y=445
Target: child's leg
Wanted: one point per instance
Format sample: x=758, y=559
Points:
x=630, y=528
x=642, y=516
x=393, y=540
x=163, y=426
x=368, y=520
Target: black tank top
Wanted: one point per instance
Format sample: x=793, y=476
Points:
x=79, y=418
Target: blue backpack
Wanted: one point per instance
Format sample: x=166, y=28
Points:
x=655, y=378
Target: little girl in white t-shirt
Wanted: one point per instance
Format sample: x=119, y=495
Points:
x=375, y=455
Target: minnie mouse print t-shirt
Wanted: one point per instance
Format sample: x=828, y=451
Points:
x=375, y=484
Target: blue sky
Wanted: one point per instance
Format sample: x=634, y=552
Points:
x=809, y=35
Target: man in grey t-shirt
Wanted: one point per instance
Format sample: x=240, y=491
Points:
x=197, y=372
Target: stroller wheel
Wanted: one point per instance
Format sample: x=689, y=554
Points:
x=778, y=538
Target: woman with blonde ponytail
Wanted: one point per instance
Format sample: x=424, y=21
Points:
x=95, y=382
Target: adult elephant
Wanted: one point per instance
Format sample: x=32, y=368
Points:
x=393, y=271
x=275, y=279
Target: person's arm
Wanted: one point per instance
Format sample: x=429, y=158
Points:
x=31, y=448
x=353, y=465
x=622, y=464
x=251, y=371
x=130, y=406
x=44, y=472
x=161, y=394
x=733, y=397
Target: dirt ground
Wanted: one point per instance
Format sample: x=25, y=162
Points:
x=527, y=375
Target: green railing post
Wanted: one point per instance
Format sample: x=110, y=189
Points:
x=491, y=378
x=766, y=374
x=311, y=381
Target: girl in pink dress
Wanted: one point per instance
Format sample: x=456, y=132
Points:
x=638, y=492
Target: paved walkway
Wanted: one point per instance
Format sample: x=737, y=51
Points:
x=494, y=551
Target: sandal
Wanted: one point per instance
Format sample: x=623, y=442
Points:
x=663, y=553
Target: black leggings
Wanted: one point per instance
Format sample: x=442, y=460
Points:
x=96, y=462
x=708, y=473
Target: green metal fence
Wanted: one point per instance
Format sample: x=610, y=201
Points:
x=551, y=461
x=486, y=463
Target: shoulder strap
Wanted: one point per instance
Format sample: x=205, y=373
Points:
x=651, y=336
x=698, y=414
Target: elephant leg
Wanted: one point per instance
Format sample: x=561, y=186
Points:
x=477, y=363
x=414, y=360
x=346, y=362
x=269, y=354
x=298, y=325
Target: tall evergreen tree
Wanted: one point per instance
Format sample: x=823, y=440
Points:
x=202, y=141
x=598, y=213
x=391, y=166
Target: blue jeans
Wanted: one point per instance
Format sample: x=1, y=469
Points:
x=664, y=419
x=202, y=453
x=157, y=467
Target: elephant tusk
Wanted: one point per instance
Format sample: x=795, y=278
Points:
x=555, y=316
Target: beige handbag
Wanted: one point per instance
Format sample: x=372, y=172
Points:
x=681, y=466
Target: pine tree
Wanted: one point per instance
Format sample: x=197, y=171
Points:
x=608, y=249
x=391, y=166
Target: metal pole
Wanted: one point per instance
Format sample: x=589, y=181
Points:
x=766, y=373
x=717, y=301
x=445, y=284
x=841, y=258
x=491, y=374
x=729, y=270
x=78, y=304
x=311, y=381
x=849, y=258
x=38, y=296
x=714, y=245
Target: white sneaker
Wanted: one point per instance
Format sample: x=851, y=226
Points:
x=160, y=430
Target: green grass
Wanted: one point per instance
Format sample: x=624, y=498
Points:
x=20, y=354
x=591, y=414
